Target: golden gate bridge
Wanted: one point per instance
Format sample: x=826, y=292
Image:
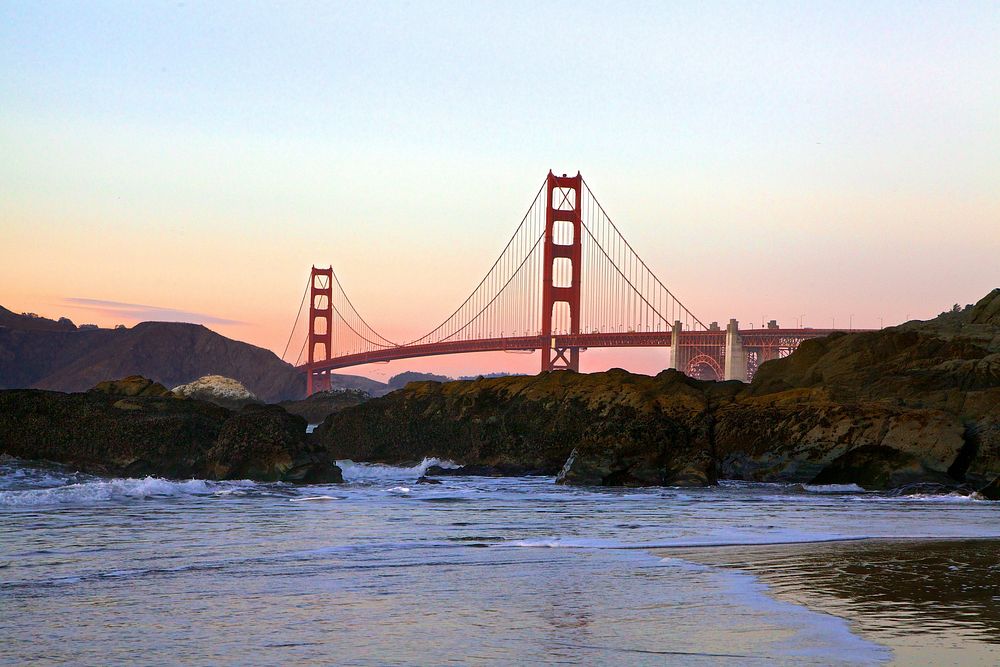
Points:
x=566, y=281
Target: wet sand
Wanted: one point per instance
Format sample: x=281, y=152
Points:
x=933, y=602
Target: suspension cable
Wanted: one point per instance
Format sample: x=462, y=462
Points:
x=298, y=314
x=612, y=223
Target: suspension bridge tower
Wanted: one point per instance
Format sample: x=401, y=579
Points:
x=320, y=326
x=561, y=288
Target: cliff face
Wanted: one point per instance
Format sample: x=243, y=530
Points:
x=916, y=403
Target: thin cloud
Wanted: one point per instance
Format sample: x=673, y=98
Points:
x=144, y=312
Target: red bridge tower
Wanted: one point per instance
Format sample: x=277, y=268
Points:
x=562, y=286
x=320, y=327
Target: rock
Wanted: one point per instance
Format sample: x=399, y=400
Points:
x=794, y=436
x=227, y=392
x=322, y=404
x=133, y=385
x=931, y=489
x=423, y=479
x=653, y=430
x=919, y=403
x=991, y=491
x=500, y=470
x=872, y=467
x=263, y=442
x=105, y=434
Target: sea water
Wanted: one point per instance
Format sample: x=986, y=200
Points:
x=383, y=570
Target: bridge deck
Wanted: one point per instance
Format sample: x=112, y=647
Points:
x=766, y=338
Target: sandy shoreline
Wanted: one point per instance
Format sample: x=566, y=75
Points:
x=932, y=601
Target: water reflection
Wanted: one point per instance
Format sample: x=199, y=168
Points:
x=931, y=600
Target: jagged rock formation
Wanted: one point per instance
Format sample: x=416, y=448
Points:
x=227, y=392
x=129, y=428
x=916, y=403
x=535, y=422
x=264, y=442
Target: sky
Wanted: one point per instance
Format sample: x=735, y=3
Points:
x=823, y=162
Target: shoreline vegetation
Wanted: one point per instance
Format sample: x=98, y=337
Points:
x=913, y=408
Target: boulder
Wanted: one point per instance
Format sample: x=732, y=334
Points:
x=322, y=404
x=991, y=491
x=133, y=385
x=136, y=435
x=873, y=467
x=264, y=442
x=106, y=434
x=223, y=391
x=501, y=470
x=794, y=436
x=423, y=479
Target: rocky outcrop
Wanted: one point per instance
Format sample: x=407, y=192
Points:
x=123, y=430
x=991, y=491
x=227, y=392
x=264, y=442
x=915, y=404
x=647, y=430
x=322, y=404
x=881, y=409
x=133, y=385
x=799, y=436
x=501, y=470
x=400, y=380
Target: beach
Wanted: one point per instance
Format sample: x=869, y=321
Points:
x=933, y=602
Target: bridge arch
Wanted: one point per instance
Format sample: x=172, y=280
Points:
x=704, y=367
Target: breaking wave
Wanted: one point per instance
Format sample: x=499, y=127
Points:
x=55, y=491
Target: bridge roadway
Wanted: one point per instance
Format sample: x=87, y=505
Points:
x=707, y=341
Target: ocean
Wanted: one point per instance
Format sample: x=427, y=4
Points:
x=383, y=570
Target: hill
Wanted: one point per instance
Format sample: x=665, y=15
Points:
x=48, y=354
x=400, y=380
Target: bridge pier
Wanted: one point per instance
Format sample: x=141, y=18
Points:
x=736, y=355
x=675, y=348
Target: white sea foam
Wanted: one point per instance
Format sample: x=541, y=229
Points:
x=946, y=498
x=568, y=543
x=833, y=488
x=308, y=499
x=103, y=490
x=376, y=472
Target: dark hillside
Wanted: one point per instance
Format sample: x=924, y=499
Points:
x=45, y=354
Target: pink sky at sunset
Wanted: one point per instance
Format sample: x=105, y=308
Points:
x=769, y=163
